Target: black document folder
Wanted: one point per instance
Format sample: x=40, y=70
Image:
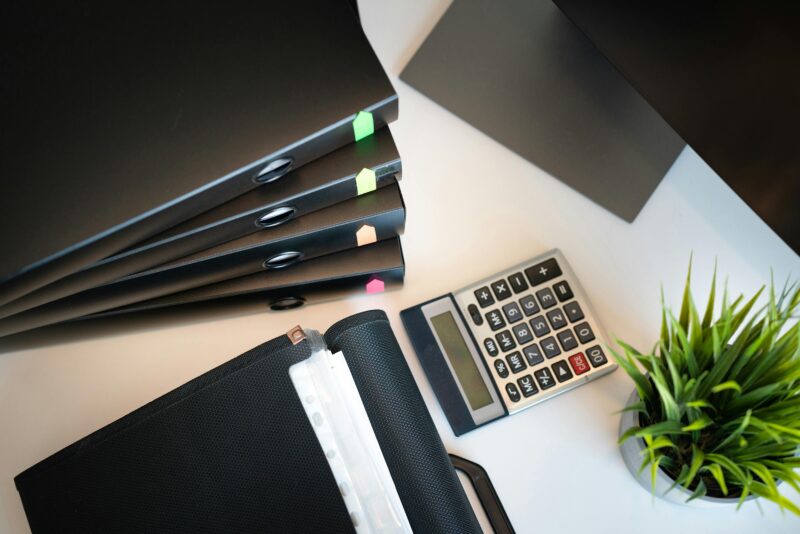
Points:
x=327, y=181
x=233, y=451
x=120, y=120
x=323, y=232
x=370, y=269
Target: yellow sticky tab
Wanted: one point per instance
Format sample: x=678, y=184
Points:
x=365, y=181
x=366, y=235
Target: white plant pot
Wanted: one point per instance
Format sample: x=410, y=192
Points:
x=633, y=451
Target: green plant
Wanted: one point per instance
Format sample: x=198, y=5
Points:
x=719, y=408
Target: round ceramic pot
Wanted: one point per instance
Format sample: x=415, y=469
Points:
x=633, y=451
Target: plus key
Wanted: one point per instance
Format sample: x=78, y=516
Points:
x=542, y=272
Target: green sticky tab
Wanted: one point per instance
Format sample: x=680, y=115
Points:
x=363, y=125
x=365, y=181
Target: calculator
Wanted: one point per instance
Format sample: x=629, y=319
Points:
x=508, y=341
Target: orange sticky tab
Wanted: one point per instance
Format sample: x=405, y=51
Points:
x=366, y=235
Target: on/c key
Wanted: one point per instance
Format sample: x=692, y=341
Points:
x=579, y=363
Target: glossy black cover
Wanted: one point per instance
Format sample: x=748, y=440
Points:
x=321, y=279
x=122, y=119
x=726, y=77
x=322, y=232
x=319, y=184
x=520, y=72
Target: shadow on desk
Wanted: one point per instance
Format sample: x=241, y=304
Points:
x=149, y=320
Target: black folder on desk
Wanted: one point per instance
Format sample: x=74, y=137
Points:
x=320, y=184
x=233, y=451
x=120, y=120
x=330, y=277
x=323, y=232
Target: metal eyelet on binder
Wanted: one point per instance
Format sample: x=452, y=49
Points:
x=283, y=259
x=276, y=217
x=286, y=303
x=274, y=170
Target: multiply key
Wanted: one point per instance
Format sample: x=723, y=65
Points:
x=501, y=289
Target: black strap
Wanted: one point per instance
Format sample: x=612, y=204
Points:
x=486, y=494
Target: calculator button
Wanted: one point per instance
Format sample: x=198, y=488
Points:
x=539, y=326
x=512, y=313
x=567, y=340
x=512, y=392
x=579, y=363
x=523, y=333
x=501, y=368
x=515, y=362
x=542, y=272
x=527, y=386
x=477, y=318
x=533, y=354
x=529, y=305
x=501, y=289
x=484, y=297
x=573, y=311
x=584, y=332
x=495, y=319
x=518, y=283
x=546, y=298
x=505, y=340
x=557, y=319
x=563, y=291
x=550, y=347
x=491, y=347
x=596, y=356
x=545, y=378
x=561, y=370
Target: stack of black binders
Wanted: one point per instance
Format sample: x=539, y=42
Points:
x=158, y=156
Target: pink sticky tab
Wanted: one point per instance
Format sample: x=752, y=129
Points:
x=375, y=285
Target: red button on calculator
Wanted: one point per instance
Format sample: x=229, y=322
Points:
x=579, y=363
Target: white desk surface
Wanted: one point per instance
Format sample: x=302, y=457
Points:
x=473, y=208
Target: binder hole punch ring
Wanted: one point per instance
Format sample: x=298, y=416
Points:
x=286, y=303
x=274, y=170
x=283, y=259
x=276, y=217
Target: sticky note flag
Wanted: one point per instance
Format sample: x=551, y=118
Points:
x=366, y=235
x=365, y=181
x=363, y=125
x=375, y=285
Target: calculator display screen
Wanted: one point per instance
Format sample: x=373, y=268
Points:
x=461, y=360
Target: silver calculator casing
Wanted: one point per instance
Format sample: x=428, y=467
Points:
x=466, y=296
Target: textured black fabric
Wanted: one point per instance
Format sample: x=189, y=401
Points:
x=230, y=451
x=428, y=486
